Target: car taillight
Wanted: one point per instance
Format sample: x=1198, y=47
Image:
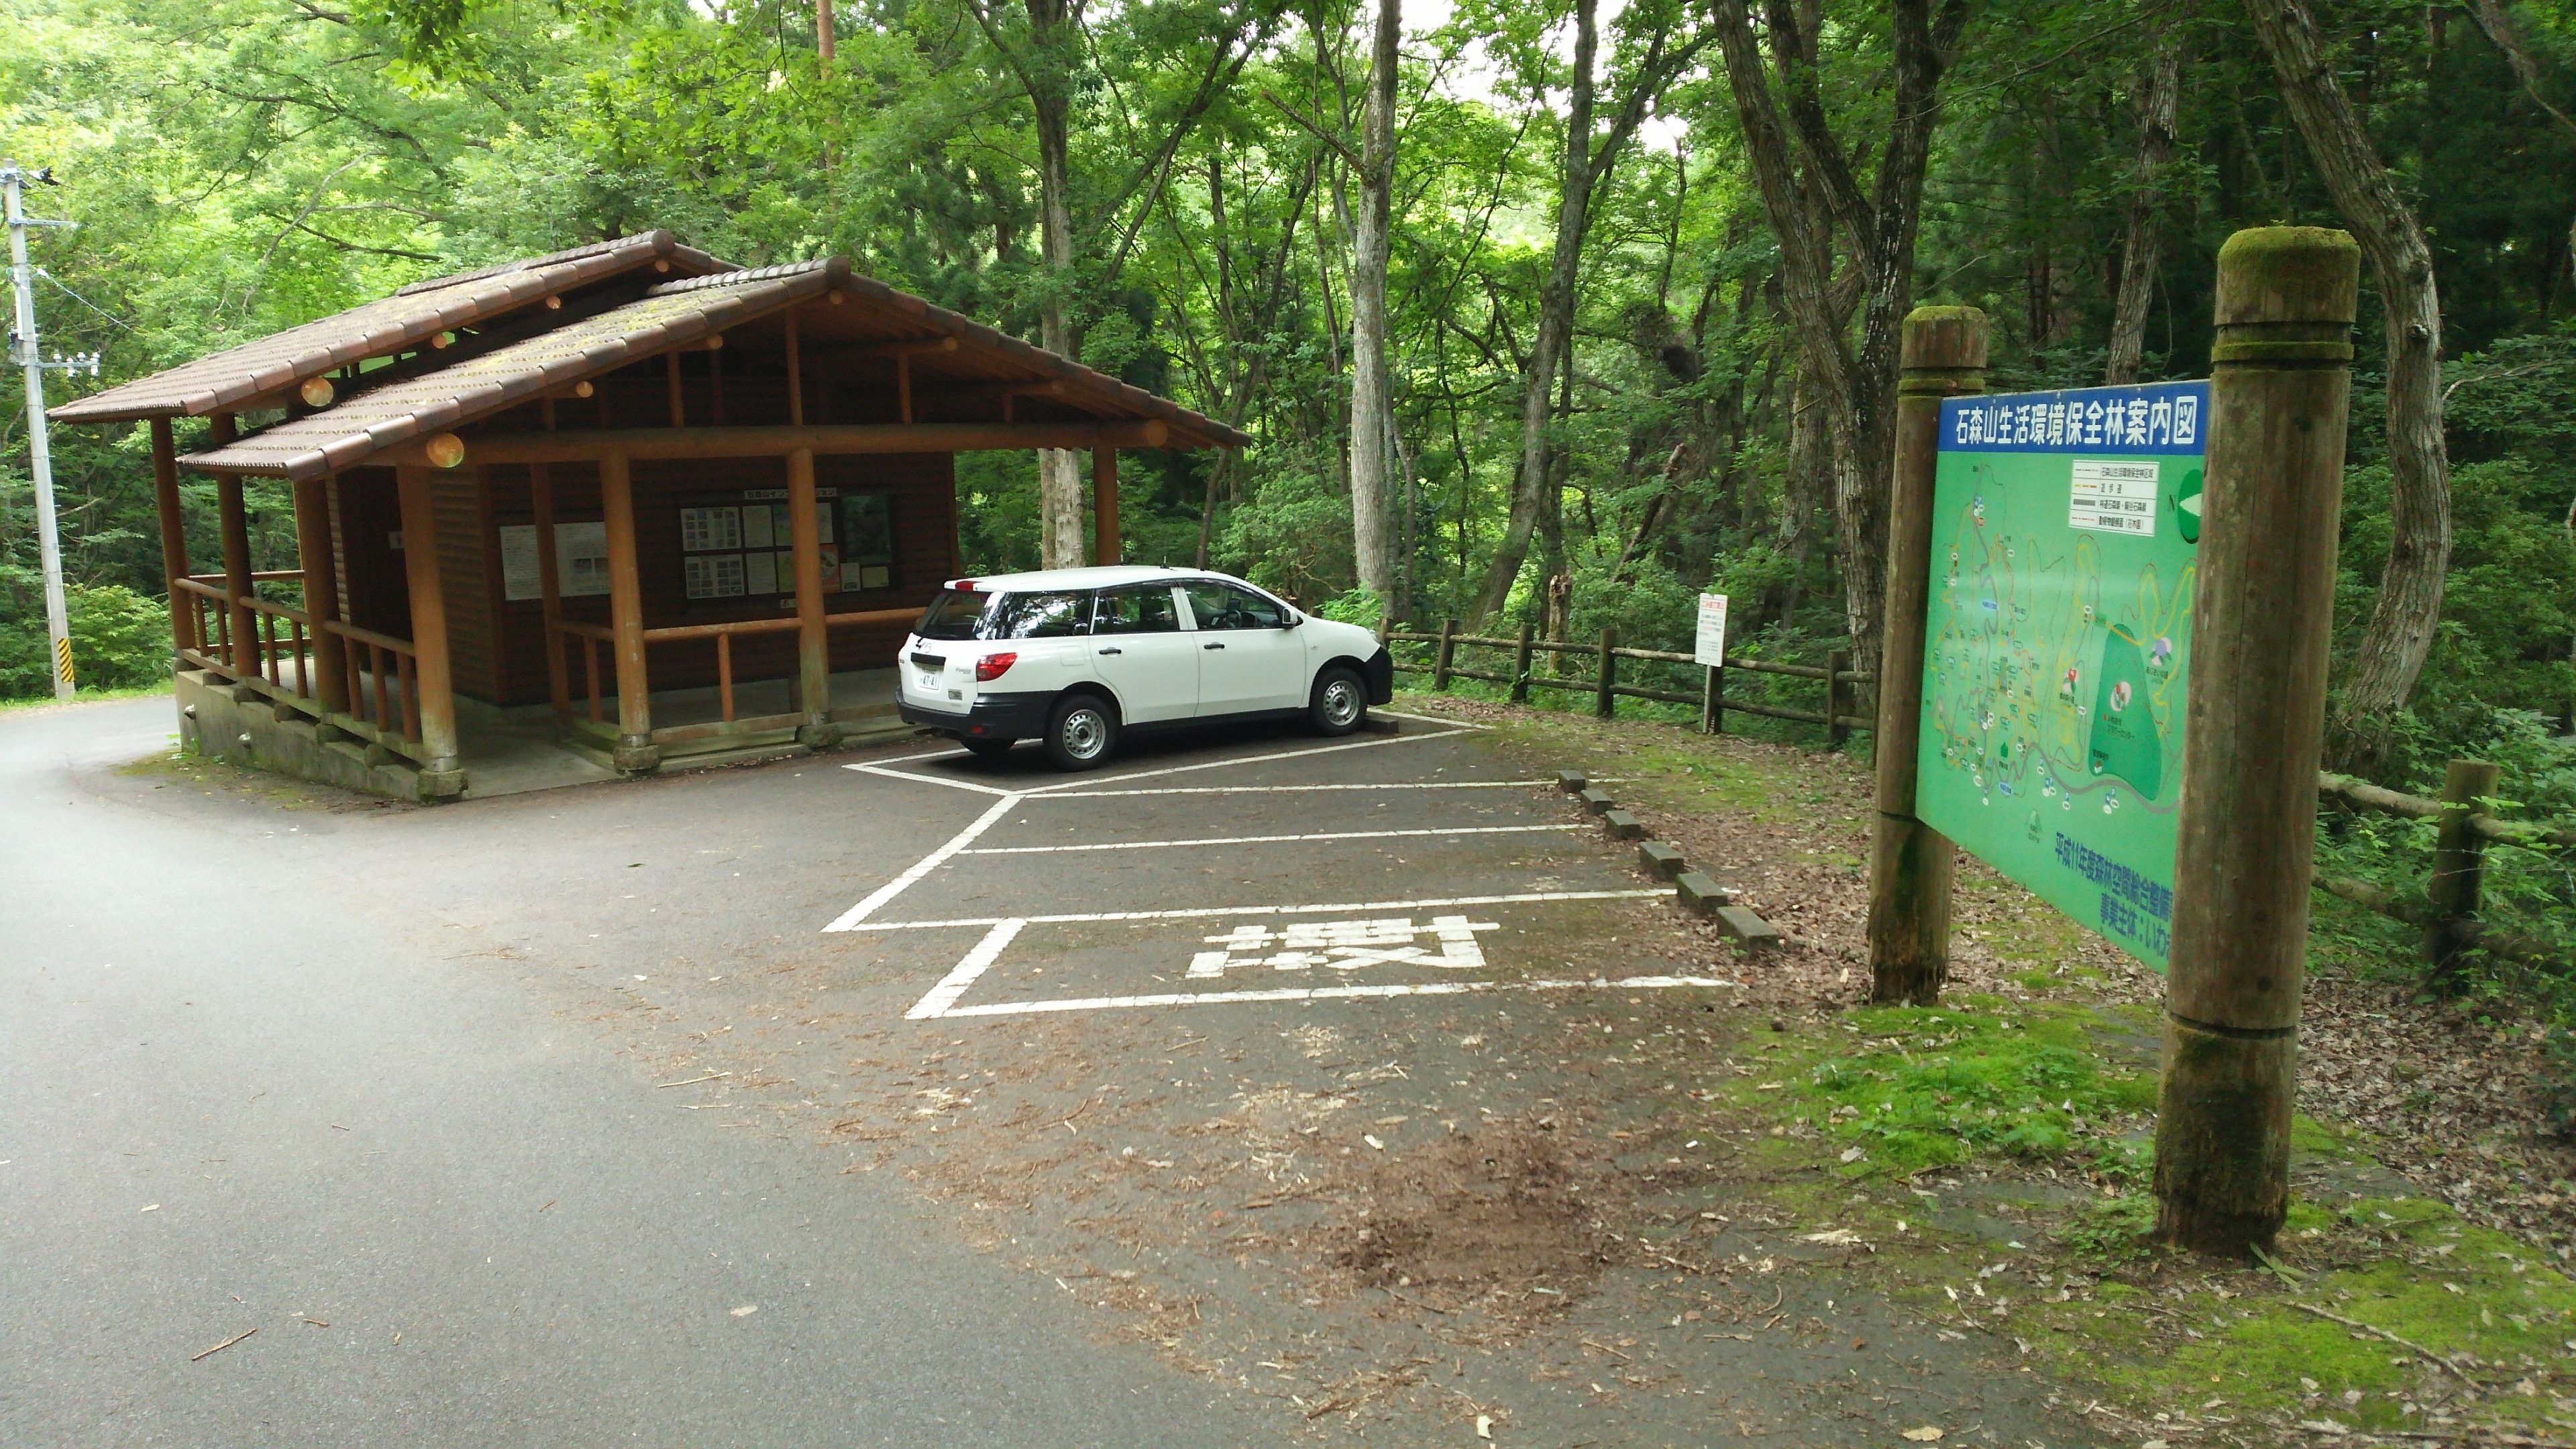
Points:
x=994, y=666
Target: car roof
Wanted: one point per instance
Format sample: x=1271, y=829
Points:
x=1103, y=577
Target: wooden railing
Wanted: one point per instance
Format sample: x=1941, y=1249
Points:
x=729, y=722
x=1844, y=704
x=370, y=701
x=382, y=671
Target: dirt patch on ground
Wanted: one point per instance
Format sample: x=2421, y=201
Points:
x=1507, y=1207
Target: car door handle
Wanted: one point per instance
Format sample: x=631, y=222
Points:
x=1113, y=651
x=1211, y=646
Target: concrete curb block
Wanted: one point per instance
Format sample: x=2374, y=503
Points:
x=1658, y=859
x=1744, y=926
x=1700, y=895
x=1596, y=801
x=1623, y=826
x=1571, y=781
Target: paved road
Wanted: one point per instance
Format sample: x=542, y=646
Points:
x=252, y=1077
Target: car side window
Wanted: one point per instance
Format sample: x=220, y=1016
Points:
x=1144, y=610
x=1040, y=616
x=1223, y=606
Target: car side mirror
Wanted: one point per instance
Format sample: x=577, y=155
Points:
x=1292, y=620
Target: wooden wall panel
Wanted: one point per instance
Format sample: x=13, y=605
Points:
x=466, y=566
x=924, y=502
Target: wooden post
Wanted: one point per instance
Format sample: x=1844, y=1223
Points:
x=636, y=753
x=2459, y=866
x=1837, y=664
x=1441, y=661
x=2280, y=388
x=432, y=686
x=541, y=501
x=1603, y=701
x=1712, y=701
x=813, y=644
x=1521, y=663
x=1943, y=354
x=671, y=365
x=1104, y=505
x=796, y=353
x=174, y=539
x=313, y=554
x=234, y=520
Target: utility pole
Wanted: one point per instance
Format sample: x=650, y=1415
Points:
x=22, y=346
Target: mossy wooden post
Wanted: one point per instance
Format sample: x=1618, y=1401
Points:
x=813, y=639
x=2459, y=864
x=1603, y=699
x=1448, y=652
x=2280, y=386
x=442, y=773
x=232, y=519
x=174, y=542
x=1837, y=664
x=1943, y=355
x=1521, y=663
x=636, y=754
x=313, y=554
x=1712, y=701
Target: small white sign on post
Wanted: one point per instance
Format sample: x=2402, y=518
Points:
x=1710, y=646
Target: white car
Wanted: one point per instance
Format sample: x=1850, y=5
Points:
x=1073, y=657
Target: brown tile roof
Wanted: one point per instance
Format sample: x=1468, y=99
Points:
x=404, y=320
x=666, y=316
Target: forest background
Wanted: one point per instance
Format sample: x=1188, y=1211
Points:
x=1560, y=311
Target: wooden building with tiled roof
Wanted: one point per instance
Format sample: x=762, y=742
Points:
x=587, y=488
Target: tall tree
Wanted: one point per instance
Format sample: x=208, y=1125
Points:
x=1372, y=409
x=2139, y=253
x=1586, y=164
x=2409, y=607
x=1812, y=193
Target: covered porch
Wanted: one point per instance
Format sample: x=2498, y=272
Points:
x=604, y=513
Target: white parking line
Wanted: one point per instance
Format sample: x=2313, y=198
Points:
x=1303, y=789
x=1265, y=839
x=1046, y=790
x=1198, y=913
x=953, y=985
x=1313, y=993
x=924, y=866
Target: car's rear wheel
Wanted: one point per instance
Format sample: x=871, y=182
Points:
x=1081, y=731
x=990, y=749
x=1340, y=704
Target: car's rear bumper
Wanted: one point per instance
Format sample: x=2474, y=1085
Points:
x=992, y=717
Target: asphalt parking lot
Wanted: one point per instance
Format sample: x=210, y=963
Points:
x=1251, y=1087
x=1275, y=873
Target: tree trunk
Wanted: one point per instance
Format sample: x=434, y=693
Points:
x=1371, y=538
x=1809, y=199
x=2138, y=257
x=1555, y=329
x=1060, y=507
x=2400, y=631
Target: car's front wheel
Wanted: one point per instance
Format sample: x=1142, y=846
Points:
x=1081, y=731
x=1340, y=703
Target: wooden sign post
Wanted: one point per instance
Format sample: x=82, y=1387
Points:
x=2280, y=385
x=1943, y=355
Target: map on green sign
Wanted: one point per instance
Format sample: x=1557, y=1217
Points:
x=2064, y=537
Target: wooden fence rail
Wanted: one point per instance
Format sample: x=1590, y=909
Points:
x=2448, y=912
x=1846, y=708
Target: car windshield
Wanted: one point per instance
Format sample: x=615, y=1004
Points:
x=1039, y=616
x=953, y=615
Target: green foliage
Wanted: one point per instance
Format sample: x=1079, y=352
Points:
x=120, y=640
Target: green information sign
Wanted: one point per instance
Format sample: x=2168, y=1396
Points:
x=2063, y=542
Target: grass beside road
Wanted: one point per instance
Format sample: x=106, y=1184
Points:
x=1987, y=1162
x=35, y=702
